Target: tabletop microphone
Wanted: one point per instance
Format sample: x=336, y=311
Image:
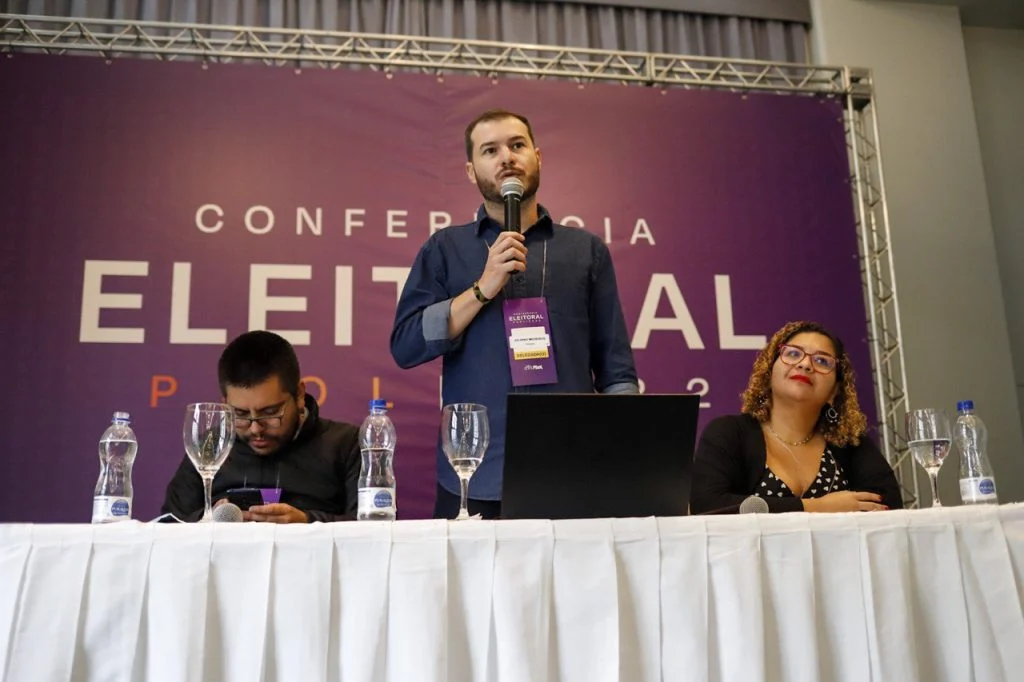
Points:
x=227, y=513
x=512, y=192
x=753, y=505
x=750, y=505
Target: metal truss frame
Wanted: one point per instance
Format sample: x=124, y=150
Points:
x=299, y=49
x=878, y=277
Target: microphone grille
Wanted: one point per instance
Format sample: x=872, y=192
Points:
x=227, y=513
x=753, y=505
x=512, y=187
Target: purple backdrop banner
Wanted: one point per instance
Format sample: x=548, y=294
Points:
x=153, y=211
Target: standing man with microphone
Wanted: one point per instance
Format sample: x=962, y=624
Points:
x=510, y=302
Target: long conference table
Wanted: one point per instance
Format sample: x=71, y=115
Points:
x=930, y=594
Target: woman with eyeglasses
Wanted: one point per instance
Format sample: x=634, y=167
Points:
x=800, y=441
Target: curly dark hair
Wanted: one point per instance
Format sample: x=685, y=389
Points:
x=757, y=399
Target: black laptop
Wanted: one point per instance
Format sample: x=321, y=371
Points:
x=571, y=456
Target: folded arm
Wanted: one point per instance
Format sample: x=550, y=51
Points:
x=869, y=471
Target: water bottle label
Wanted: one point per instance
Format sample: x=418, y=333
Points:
x=977, y=489
x=377, y=500
x=111, y=508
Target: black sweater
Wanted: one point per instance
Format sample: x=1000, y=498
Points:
x=318, y=473
x=730, y=460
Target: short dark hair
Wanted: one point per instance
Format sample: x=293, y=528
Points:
x=494, y=115
x=256, y=356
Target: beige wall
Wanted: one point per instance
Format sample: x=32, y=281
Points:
x=995, y=60
x=953, y=317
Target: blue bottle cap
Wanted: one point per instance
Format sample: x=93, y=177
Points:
x=964, y=405
x=379, y=404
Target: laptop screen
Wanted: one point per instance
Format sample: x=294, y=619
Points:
x=589, y=455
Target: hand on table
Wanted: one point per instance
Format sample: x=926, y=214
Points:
x=845, y=501
x=275, y=513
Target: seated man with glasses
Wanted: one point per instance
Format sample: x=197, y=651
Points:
x=800, y=442
x=302, y=467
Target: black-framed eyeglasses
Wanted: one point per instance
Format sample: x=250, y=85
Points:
x=269, y=422
x=823, y=363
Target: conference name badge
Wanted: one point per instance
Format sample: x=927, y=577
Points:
x=270, y=495
x=528, y=333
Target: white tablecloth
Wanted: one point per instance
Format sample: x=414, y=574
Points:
x=922, y=595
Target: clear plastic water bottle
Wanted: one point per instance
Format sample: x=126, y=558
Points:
x=977, y=482
x=112, y=499
x=377, y=440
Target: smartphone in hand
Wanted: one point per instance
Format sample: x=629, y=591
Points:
x=245, y=497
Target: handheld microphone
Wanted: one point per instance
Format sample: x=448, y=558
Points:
x=227, y=513
x=512, y=192
x=750, y=505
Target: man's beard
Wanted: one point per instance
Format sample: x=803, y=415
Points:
x=492, y=192
x=274, y=441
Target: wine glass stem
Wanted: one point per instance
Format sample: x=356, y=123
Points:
x=207, y=495
x=933, y=477
x=464, y=499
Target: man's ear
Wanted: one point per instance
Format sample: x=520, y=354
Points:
x=469, y=172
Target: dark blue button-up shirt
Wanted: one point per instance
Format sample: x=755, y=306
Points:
x=570, y=267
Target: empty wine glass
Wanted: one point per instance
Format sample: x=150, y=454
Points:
x=928, y=437
x=465, y=434
x=208, y=433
